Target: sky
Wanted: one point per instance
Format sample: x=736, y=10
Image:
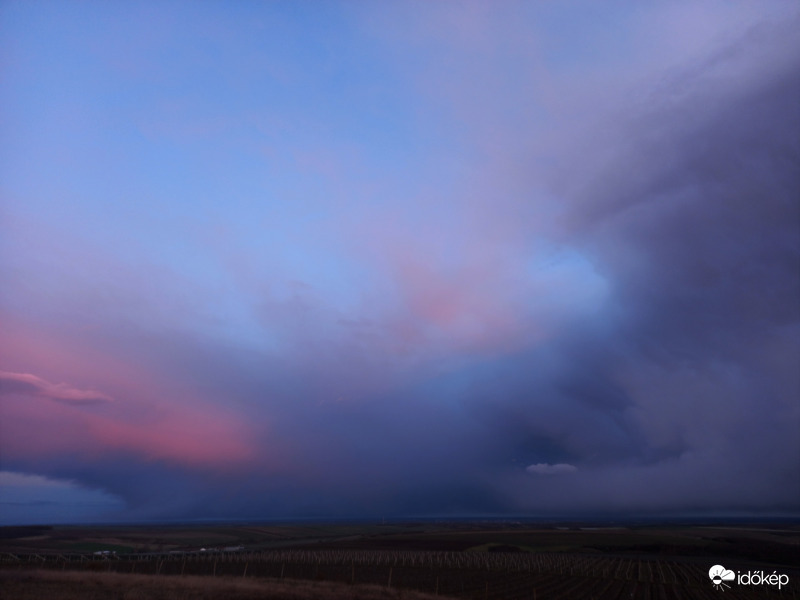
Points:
x=402, y=259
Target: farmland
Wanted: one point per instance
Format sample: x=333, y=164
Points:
x=460, y=560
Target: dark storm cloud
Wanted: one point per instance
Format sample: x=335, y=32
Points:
x=697, y=224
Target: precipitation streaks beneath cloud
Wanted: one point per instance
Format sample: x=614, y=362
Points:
x=401, y=259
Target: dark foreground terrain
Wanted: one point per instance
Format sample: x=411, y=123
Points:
x=89, y=585
x=460, y=560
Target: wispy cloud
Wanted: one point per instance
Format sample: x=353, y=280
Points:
x=25, y=383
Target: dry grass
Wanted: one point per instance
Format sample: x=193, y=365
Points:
x=75, y=585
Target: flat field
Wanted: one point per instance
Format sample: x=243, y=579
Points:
x=462, y=560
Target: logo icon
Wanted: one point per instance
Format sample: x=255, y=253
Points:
x=719, y=575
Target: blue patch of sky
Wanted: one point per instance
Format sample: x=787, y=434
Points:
x=579, y=35
x=135, y=146
x=86, y=139
x=578, y=286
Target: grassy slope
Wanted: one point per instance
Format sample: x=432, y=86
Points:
x=70, y=585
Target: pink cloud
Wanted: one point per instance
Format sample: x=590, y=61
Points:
x=152, y=416
x=466, y=306
x=465, y=288
x=202, y=436
x=205, y=437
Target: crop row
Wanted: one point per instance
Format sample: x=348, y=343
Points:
x=561, y=564
x=463, y=575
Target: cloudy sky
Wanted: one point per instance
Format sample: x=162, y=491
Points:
x=397, y=259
